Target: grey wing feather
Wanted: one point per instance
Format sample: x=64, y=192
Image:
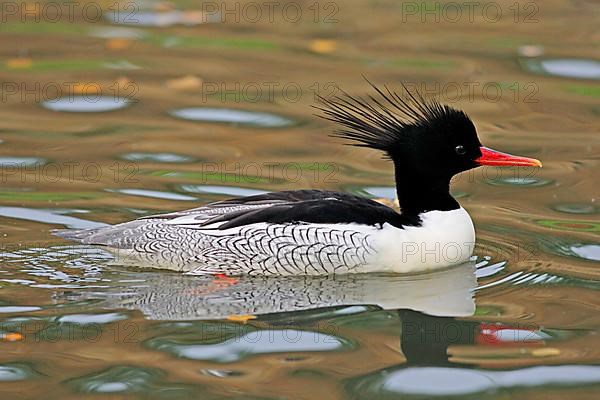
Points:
x=186, y=241
x=125, y=235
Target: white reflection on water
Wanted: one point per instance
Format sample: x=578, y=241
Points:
x=225, y=190
x=587, y=251
x=455, y=381
x=574, y=68
x=155, y=194
x=159, y=19
x=273, y=341
x=209, y=114
x=20, y=162
x=48, y=217
x=85, y=104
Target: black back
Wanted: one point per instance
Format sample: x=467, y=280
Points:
x=310, y=206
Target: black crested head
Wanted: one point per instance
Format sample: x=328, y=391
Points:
x=428, y=142
x=419, y=134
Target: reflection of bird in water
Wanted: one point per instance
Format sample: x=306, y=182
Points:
x=425, y=339
x=178, y=297
x=448, y=356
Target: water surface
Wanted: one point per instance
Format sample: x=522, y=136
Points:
x=521, y=320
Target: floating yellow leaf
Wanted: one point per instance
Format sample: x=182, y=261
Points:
x=118, y=44
x=323, y=46
x=123, y=82
x=11, y=337
x=89, y=88
x=241, y=318
x=531, y=51
x=188, y=82
x=164, y=6
x=19, y=63
x=545, y=352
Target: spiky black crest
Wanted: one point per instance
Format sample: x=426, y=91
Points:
x=388, y=120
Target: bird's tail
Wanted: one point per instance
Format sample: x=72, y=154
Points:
x=77, y=235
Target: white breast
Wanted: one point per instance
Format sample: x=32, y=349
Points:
x=445, y=238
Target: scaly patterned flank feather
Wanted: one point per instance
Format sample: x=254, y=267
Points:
x=388, y=120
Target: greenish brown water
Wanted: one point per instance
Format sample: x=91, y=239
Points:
x=105, y=119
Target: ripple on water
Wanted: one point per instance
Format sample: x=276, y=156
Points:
x=159, y=19
x=575, y=208
x=16, y=372
x=232, y=116
x=21, y=161
x=118, y=379
x=117, y=33
x=564, y=67
x=585, y=251
x=18, y=309
x=155, y=194
x=519, y=181
x=225, y=190
x=121, y=64
x=86, y=104
x=222, y=373
x=87, y=319
x=48, y=217
x=253, y=343
x=460, y=382
x=576, y=226
x=157, y=157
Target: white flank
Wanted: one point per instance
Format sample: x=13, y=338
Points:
x=445, y=238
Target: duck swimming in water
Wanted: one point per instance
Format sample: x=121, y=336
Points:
x=314, y=232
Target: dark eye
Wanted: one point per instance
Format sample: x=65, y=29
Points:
x=460, y=150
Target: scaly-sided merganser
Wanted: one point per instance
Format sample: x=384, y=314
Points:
x=313, y=232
